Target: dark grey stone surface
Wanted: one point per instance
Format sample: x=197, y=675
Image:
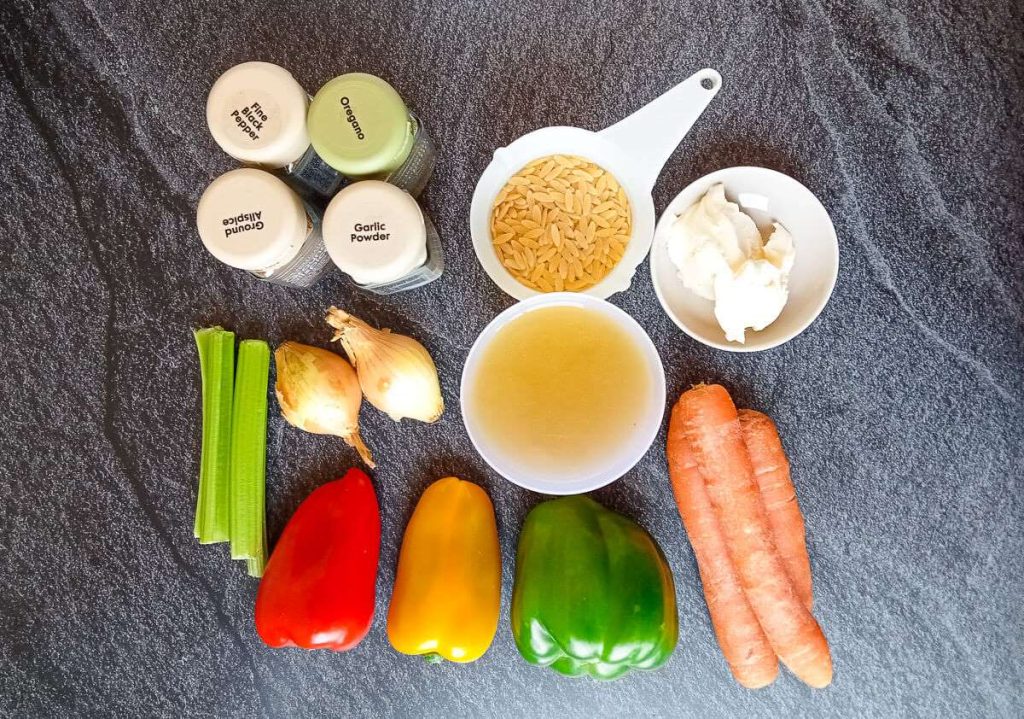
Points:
x=900, y=407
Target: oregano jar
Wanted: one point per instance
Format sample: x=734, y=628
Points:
x=360, y=126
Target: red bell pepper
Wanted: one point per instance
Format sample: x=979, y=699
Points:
x=318, y=588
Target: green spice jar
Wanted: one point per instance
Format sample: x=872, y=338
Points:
x=361, y=127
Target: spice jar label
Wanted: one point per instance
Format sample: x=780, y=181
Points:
x=369, y=232
x=254, y=116
x=350, y=118
x=244, y=222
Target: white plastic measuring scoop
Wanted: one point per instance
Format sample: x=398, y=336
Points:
x=633, y=150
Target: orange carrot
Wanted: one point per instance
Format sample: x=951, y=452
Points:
x=771, y=472
x=711, y=424
x=743, y=643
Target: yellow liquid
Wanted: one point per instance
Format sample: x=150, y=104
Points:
x=558, y=390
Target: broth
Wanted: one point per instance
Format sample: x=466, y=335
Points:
x=559, y=389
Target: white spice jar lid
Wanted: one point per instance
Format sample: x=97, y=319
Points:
x=375, y=232
x=257, y=114
x=252, y=220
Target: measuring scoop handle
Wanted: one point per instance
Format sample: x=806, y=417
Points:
x=651, y=134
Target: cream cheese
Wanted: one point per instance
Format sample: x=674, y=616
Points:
x=721, y=256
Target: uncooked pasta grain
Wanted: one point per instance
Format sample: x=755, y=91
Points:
x=561, y=223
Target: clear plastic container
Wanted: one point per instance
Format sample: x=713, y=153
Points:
x=379, y=236
x=311, y=176
x=414, y=173
x=251, y=220
x=360, y=125
x=256, y=112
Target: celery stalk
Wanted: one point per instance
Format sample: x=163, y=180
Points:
x=249, y=454
x=216, y=366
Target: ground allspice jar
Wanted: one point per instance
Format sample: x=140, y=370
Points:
x=252, y=220
x=380, y=237
x=360, y=125
x=256, y=112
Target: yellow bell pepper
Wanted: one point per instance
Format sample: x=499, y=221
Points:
x=448, y=587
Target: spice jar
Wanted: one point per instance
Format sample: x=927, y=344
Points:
x=252, y=220
x=359, y=124
x=257, y=114
x=379, y=236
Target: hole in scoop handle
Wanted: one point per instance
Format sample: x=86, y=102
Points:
x=651, y=134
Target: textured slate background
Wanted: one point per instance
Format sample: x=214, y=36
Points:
x=900, y=406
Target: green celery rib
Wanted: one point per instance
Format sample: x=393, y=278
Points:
x=216, y=365
x=249, y=455
x=203, y=341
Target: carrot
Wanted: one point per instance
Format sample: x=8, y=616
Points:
x=711, y=424
x=740, y=637
x=771, y=472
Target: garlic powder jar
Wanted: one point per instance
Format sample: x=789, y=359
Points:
x=252, y=220
x=360, y=125
x=378, y=235
x=256, y=112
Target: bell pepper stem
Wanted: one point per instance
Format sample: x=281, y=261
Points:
x=433, y=658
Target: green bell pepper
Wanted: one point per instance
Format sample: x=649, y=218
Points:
x=593, y=593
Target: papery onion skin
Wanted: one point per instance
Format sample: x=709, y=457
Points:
x=397, y=374
x=318, y=392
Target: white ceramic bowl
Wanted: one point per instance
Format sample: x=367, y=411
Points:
x=632, y=447
x=767, y=196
